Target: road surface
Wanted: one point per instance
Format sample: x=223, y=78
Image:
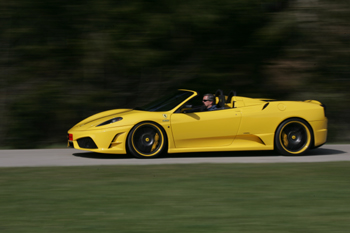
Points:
x=73, y=157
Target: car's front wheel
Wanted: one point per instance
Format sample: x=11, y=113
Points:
x=293, y=137
x=146, y=140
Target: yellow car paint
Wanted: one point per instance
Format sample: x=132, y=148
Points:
x=250, y=125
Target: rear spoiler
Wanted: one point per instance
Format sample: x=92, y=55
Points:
x=316, y=102
x=313, y=102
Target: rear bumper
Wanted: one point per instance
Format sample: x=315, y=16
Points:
x=320, y=131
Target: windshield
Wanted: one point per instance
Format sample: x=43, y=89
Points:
x=166, y=103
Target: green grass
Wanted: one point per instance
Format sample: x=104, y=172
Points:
x=309, y=197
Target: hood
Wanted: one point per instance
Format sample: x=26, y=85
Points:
x=99, y=118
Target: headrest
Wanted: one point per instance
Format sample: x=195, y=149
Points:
x=220, y=99
x=230, y=95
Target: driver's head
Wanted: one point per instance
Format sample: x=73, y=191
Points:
x=208, y=100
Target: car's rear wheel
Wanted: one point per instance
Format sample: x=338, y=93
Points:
x=146, y=140
x=293, y=137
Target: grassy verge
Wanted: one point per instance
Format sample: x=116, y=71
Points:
x=177, y=198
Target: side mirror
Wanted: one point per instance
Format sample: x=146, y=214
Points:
x=187, y=106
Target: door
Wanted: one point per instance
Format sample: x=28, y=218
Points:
x=205, y=129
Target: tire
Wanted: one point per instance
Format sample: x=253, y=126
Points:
x=146, y=140
x=293, y=137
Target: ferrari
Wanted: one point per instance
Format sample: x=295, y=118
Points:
x=175, y=124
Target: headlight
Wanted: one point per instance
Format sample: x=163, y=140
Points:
x=111, y=121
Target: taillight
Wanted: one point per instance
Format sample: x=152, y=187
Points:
x=70, y=137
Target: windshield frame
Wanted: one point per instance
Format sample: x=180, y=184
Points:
x=169, y=102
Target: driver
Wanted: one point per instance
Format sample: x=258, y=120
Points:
x=208, y=104
x=208, y=101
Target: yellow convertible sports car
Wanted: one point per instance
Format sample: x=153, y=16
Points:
x=172, y=124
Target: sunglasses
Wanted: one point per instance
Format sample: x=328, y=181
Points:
x=206, y=100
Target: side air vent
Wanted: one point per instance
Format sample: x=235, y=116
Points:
x=265, y=106
x=86, y=143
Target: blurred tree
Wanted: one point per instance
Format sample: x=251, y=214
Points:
x=63, y=61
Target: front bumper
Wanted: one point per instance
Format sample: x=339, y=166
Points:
x=110, y=140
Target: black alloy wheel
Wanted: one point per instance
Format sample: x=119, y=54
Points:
x=146, y=140
x=293, y=137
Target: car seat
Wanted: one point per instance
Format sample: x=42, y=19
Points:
x=219, y=99
x=230, y=101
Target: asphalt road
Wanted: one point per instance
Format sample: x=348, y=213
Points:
x=72, y=157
